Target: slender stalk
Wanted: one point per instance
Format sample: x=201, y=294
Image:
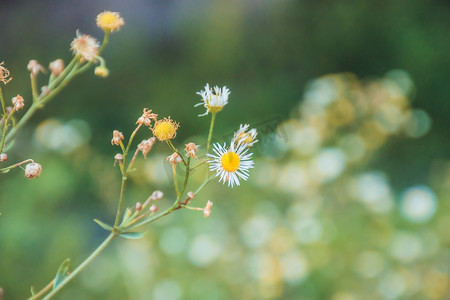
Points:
x=174, y=171
x=211, y=128
x=88, y=260
x=3, y=102
x=15, y=165
x=43, y=291
x=122, y=191
x=5, y=128
x=34, y=90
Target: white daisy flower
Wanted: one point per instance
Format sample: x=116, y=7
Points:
x=231, y=163
x=243, y=135
x=213, y=100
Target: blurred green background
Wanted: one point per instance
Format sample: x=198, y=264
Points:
x=349, y=196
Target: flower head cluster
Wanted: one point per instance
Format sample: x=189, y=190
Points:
x=165, y=129
x=4, y=74
x=213, y=99
x=147, y=117
x=109, y=21
x=86, y=46
x=243, y=135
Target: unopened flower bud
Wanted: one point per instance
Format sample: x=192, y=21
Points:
x=45, y=91
x=34, y=67
x=33, y=170
x=56, y=67
x=101, y=71
x=190, y=195
x=191, y=150
x=153, y=208
x=138, y=206
x=17, y=102
x=174, y=158
x=3, y=157
x=157, y=195
x=117, y=137
x=118, y=158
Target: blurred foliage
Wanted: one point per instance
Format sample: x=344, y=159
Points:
x=348, y=197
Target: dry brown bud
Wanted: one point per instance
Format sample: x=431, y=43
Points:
x=153, y=208
x=117, y=137
x=138, y=206
x=174, y=158
x=191, y=150
x=33, y=170
x=34, y=67
x=190, y=195
x=118, y=158
x=17, y=102
x=146, y=145
x=56, y=67
x=3, y=157
x=45, y=91
x=157, y=195
x=207, y=209
x=147, y=117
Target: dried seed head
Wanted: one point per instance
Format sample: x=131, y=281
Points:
x=117, y=137
x=153, y=208
x=17, y=102
x=147, y=117
x=207, y=209
x=34, y=67
x=33, y=170
x=157, y=195
x=86, y=46
x=4, y=74
x=56, y=66
x=101, y=71
x=3, y=157
x=165, y=129
x=109, y=21
x=191, y=150
x=146, y=145
x=174, y=158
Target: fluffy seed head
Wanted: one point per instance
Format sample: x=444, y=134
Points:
x=86, y=46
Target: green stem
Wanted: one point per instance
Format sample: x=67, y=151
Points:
x=174, y=171
x=203, y=185
x=5, y=128
x=122, y=191
x=34, y=90
x=5, y=170
x=88, y=260
x=211, y=128
x=3, y=102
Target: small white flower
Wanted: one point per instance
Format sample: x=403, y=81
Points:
x=231, y=163
x=243, y=135
x=213, y=99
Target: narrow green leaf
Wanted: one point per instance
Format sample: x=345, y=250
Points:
x=132, y=235
x=5, y=170
x=126, y=215
x=33, y=291
x=62, y=273
x=103, y=225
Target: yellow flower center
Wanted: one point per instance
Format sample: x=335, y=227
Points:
x=165, y=130
x=230, y=161
x=214, y=109
x=107, y=19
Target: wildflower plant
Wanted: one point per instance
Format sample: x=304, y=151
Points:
x=86, y=53
x=229, y=164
